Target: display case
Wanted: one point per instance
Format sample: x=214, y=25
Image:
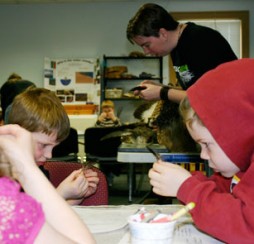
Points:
x=121, y=74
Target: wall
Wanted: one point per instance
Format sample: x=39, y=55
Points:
x=31, y=32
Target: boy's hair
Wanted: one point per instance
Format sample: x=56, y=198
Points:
x=40, y=110
x=187, y=112
x=148, y=21
x=107, y=104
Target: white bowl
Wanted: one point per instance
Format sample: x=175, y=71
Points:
x=151, y=233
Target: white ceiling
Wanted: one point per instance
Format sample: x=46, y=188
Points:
x=58, y=1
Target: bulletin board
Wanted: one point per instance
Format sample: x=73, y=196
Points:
x=75, y=81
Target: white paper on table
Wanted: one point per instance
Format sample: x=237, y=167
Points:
x=186, y=232
x=183, y=233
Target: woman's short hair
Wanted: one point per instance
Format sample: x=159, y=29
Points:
x=148, y=21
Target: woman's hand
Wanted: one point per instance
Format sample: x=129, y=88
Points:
x=152, y=91
x=166, y=178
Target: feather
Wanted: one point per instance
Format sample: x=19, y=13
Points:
x=136, y=133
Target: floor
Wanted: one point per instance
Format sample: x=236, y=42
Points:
x=119, y=195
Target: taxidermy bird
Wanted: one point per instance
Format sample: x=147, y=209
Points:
x=170, y=129
x=136, y=133
x=160, y=122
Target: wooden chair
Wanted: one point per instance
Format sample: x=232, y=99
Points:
x=58, y=171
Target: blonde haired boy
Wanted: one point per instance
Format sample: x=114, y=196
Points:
x=40, y=111
x=107, y=117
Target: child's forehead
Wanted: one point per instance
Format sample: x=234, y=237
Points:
x=107, y=107
x=45, y=138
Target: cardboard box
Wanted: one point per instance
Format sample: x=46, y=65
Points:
x=114, y=93
x=79, y=109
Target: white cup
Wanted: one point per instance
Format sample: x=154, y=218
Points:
x=151, y=233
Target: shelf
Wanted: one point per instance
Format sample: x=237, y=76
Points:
x=120, y=72
x=131, y=58
x=120, y=79
x=124, y=98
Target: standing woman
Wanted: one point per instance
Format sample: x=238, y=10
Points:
x=194, y=49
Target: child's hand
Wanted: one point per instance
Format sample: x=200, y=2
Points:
x=111, y=115
x=16, y=148
x=93, y=180
x=74, y=186
x=102, y=116
x=166, y=178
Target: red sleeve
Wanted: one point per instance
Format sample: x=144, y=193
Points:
x=224, y=215
x=222, y=183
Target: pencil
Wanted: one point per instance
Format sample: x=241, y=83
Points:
x=156, y=155
x=182, y=211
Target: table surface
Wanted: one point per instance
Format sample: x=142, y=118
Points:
x=109, y=224
x=138, y=153
x=128, y=147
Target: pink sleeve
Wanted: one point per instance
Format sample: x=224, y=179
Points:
x=21, y=217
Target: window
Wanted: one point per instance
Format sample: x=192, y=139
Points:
x=233, y=25
x=230, y=29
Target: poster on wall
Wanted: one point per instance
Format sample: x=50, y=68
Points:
x=76, y=81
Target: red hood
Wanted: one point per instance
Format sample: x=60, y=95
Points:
x=224, y=100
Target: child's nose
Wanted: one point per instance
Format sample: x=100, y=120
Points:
x=204, y=154
x=48, y=154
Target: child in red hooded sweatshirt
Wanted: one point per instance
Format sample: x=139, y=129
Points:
x=219, y=115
